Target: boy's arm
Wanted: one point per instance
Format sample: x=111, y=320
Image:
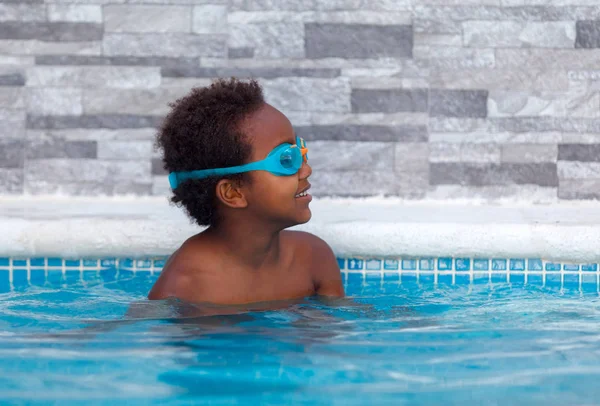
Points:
x=327, y=275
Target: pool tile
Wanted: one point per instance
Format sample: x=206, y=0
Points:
x=462, y=264
x=517, y=264
x=571, y=278
x=498, y=264
x=445, y=279
x=55, y=262
x=408, y=277
x=444, y=264
x=534, y=279
x=498, y=277
x=517, y=278
x=340, y=261
x=20, y=277
x=426, y=278
x=589, y=279
x=535, y=264
x=160, y=263
x=373, y=265
x=355, y=264
x=19, y=262
x=90, y=263
x=38, y=277
x=72, y=263
x=426, y=264
x=409, y=264
x=571, y=267
x=480, y=264
x=462, y=279
x=4, y=262
x=481, y=277
x=108, y=262
x=553, y=279
x=553, y=266
x=37, y=262
x=589, y=267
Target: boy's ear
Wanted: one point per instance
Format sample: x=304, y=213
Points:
x=231, y=194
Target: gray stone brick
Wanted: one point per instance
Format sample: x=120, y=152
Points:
x=40, y=187
x=89, y=13
x=160, y=186
x=92, y=60
x=353, y=183
x=266, y=73
x=454, y=152
x=588, y=34
x=579, y=152
x=542, y=174
x=456, y=58
x=39, y=47
x=458, y=103
x=438, y=40
x=525, y=13
x=12, y=79
x=120, y=77
x=165, y=44
x=519, y=34
x=11, y=181
x=532, y=79
x=11, y=153
x=358, y=41
x=436, y=26
x=54, y=101
x=578, y=170
x=308, y=94
x=411, y=167
x=109, y=121
x=294, y=5
x=51, y=31
x=147, y=18
x=131, y=101
x=389, y=101
x=544, y=124
x=529, y=153
x=540, y=60
x=579, y=189
x=12, y=97
x=125, y=150
x=157, y=167
x=351, y=155
x=380, y=133
x=240, y=52
x=272, y=40
x=210, y=19
x=87, y=170
x=60, y=148
x=531, y=193
x=22, y=12
x=510, y=104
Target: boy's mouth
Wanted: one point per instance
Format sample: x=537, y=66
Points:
x=303, y=193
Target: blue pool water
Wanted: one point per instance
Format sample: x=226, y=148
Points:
x=77, y=337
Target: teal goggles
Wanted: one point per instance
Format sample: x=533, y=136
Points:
x=285, y=160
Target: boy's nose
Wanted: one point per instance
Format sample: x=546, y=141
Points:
x=305, y=170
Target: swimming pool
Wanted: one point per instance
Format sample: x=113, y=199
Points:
x=69, y=333
x=450, y=303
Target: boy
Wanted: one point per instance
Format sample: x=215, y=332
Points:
x=236, y=166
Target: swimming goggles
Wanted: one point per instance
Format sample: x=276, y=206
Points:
x=285, y=159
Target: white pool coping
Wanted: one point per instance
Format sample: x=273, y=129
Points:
x=68, y=227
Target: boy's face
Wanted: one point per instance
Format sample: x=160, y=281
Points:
x=271, y=197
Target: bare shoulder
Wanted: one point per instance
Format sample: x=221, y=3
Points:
x=182, y=271
x=320, y=259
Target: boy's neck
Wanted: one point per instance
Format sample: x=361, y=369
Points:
x=251, y=245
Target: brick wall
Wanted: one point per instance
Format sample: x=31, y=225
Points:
x=421, y=98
